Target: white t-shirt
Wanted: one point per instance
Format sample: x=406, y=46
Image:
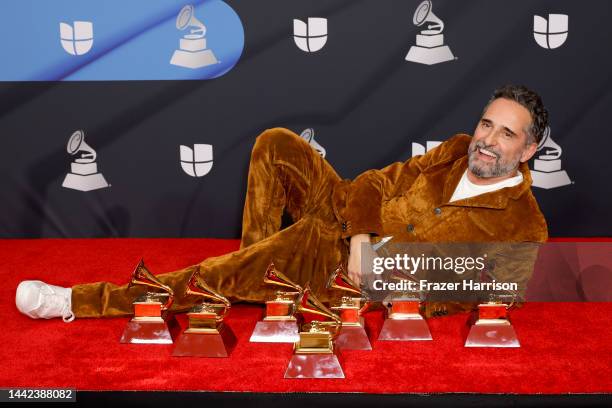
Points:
x=467, y=189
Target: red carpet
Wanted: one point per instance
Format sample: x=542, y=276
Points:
x=566, y=347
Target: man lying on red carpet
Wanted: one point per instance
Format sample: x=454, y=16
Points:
x=468, y=189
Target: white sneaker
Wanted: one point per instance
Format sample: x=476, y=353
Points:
x=38, y=300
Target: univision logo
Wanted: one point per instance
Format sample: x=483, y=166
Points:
x=311, y=36
x=551, y=33
x=419, y=150
x=77, y=39
x=196, y=162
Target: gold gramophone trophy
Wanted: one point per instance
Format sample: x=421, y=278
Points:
x=152, y=322
x=491, y=326
x=207, y=335
x=404, y=321
x=352, y=335
x=314, y=354
x=279, y=324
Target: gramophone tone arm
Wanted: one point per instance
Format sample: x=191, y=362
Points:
x=335, y=323
x=89, y=155
x=438, y=27
x=366, y=306
x=552, y=153
x=337, y=326
x=198, y=28
x=334, y=326
x=169, y=302
x=157, y=296
x=221, y=300
x=170, y=293
x=227, y=308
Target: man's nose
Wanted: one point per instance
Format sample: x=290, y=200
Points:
x=490, y=138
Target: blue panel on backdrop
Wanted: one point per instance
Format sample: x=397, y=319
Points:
x=90, y=40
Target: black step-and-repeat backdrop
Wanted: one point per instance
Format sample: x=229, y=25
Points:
x=136, y=118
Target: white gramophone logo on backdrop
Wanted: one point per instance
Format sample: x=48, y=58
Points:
x=308, y=135
x=198, y=161
x=77, y=39
x=192, y=52
x=429, y=48
x=83, y=174
x=311, y=36
x=547, y=171
x=551, y=33
x=419, y=150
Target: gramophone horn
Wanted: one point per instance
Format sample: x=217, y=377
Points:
x=198, y=287
x=545, y=137
x=424, y=14
x=308, y=303
x=421, y=13
x=142, y=276
x=340, y=280
x=76, y=143
x=186, y=18
x=274, y=277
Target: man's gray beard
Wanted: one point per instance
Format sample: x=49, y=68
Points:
x=485, y=171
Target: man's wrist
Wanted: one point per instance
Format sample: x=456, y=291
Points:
x=357, y=240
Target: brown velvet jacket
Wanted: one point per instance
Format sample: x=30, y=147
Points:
x=410, y=201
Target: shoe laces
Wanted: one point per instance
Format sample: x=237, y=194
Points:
x=55, y=303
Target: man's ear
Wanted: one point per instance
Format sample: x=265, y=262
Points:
x=529, y=151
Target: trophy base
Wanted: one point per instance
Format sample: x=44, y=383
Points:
x=206, y=344
x=353, y=338
x=314, y=366
x=275, y=331
x=151, y=332
x=190, y=59
x=550, y=180
x=429, y=56
x=492, y=333
x=87, y=182
x=408, y=329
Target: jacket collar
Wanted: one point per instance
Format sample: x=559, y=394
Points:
x=495, y=199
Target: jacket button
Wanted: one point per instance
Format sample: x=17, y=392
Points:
x=437, y=211
x=410, y=227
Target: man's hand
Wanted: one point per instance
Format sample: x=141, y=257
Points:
x=354, y=261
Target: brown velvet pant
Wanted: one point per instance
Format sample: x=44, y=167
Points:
x=285, y=174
